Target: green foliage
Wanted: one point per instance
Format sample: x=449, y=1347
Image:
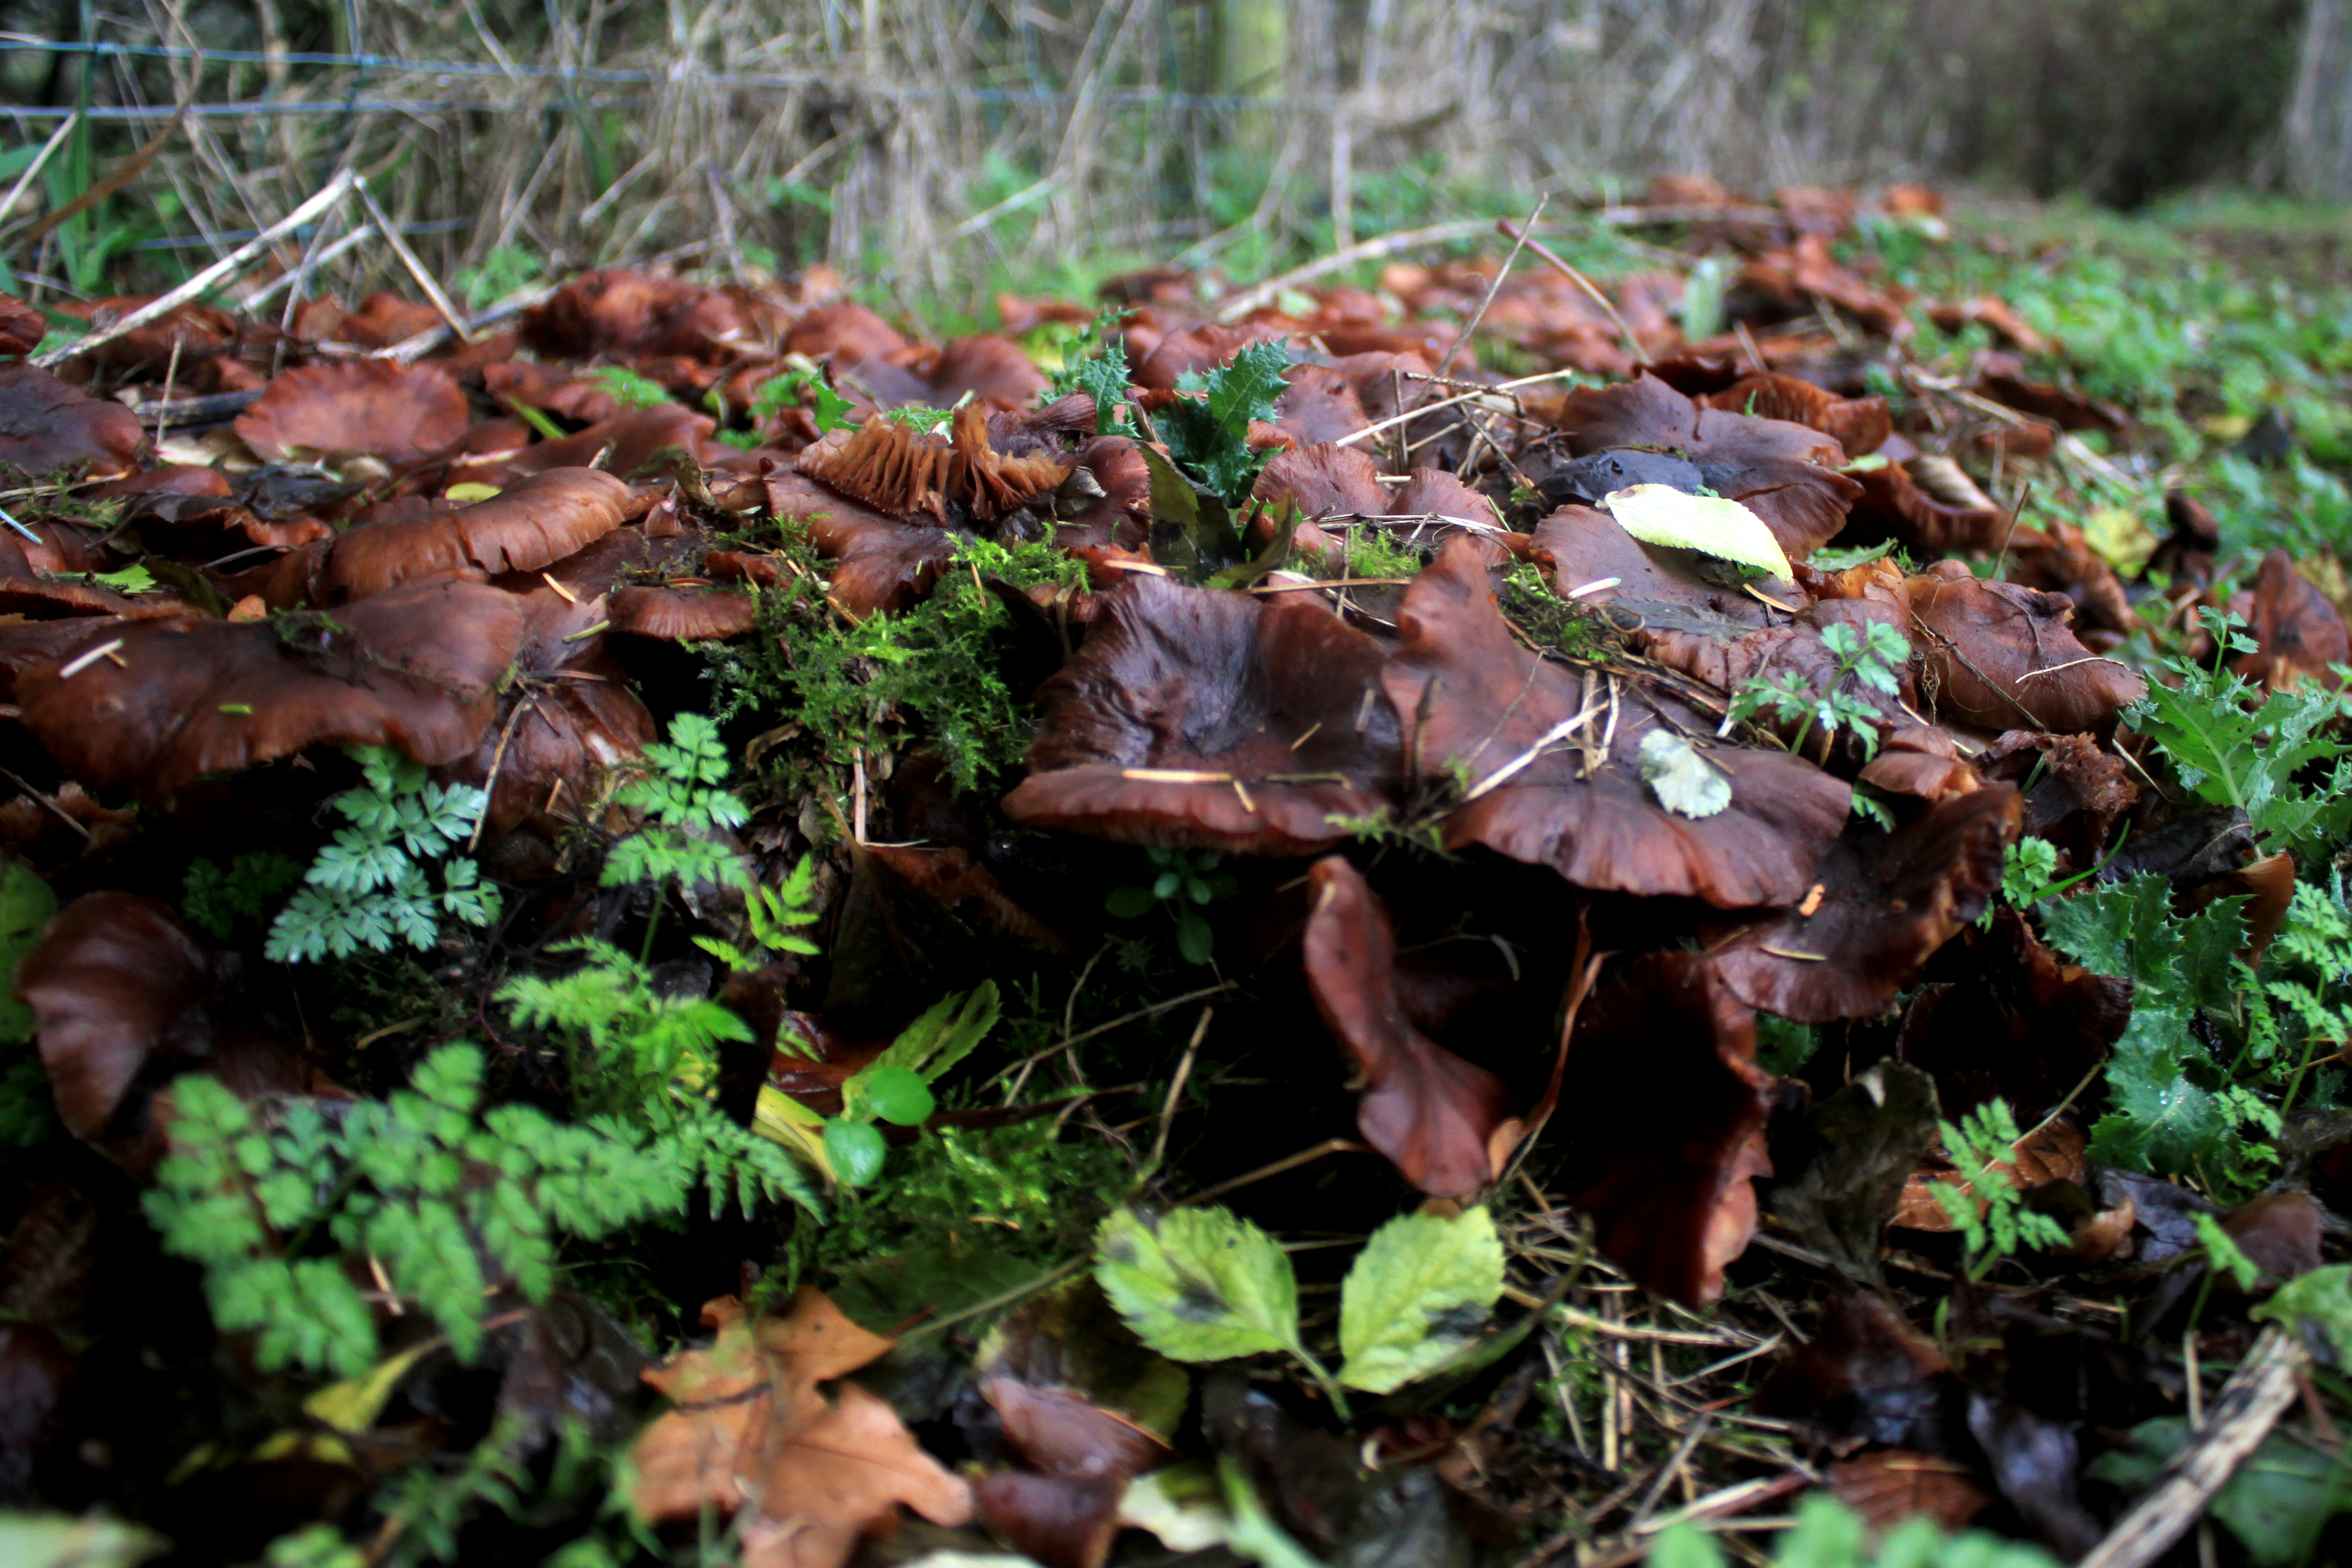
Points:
x=1203, y=1285
x=2318, y=1298
x=683, y=796
x=1828, y=1535
x=1419, y=1292
x=895, y=1087
x=632, y=1051
x=928, y=421
x=794, y=388
x=1101, y=374
x=429, y=1186
x=2231, y=751
x=2216, y=1051
x=771, y=913
x=2275, y=1502
x=506, y=271
x=934, y=672
x=1208, y=435
x=215, y=900
x=368, y=888
x=2026, y=869
x=628, y=388
x=1871, y=656
x=1006, y=1186
x=1183, y=882
x=2222, y=1256
x=1988, y=1211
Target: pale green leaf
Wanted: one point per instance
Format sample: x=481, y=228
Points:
x=1684, y=781
x=1198, y=1284
x=1420, y=1290
x=2321, y=1299
x=1676, y=520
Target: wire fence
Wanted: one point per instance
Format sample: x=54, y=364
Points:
x=938, y=147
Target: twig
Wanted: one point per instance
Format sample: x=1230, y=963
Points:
x=424, y=279
x=1288, y=1162
x=1395, y=420
x=1518, y=245
x=56, y=139
x=1176, y=1087
x=335, y=190
x=1249, y=300
x=2240, y=1416
x=1632, y=344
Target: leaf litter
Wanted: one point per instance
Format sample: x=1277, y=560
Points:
x=703, y=931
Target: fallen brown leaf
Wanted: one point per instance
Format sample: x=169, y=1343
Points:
x=750, y=1428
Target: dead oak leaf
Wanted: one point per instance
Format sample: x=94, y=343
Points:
x=752, y=1430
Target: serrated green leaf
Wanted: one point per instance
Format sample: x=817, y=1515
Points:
x=1712, y=525
x=2127, y=928
x=2231, y=752
x=2321, y=1299
x=1198, y=1284
x=2163, y=1121
x=2276, y=1502
x=1683, y=781
x=1420, y=1288
x=25, y=905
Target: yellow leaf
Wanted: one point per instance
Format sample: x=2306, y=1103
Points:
x=1662, y=515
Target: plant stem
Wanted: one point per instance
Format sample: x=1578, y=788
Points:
x=1330, y=1385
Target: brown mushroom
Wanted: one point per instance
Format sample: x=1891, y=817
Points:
x=1994, y=654
x=880, y=561
x=1859, y=425
x=47, y=426
x=1520, y=732
x=2299, y=634
x=152, y=706
x=1213, y=718
x=1661, y=1118
x=1433, y=1115
x=2001, y=1017
x=682, y=614
x=396, y=412
x=532, y=523
x=1886, y=902
x=1782, y=472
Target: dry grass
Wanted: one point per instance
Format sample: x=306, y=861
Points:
x=932, y=144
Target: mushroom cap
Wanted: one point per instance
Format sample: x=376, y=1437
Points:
x=1212, y=719
x=112, y=974
x=1476, y=699
x=2299, y=634
x=1986, y=644
x=22, y=328
x=46, y=425
x=683, y=614
x=1324, y=482
x=1781, y=471
x=880, y=561
x=415, y=667
x=1432, y=1114
x=1859, y=425
x=1895, y=503
x=1662, y=1113
x=2001, y=1017
x=1585, y=546
x=398, y=412
x=1889, y=901
x=534, y=522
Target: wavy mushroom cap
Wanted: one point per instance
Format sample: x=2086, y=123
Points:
x=415, y=667
x=1212, y=719
x=47, y=426
x=532, y=523
x=1887, y=902
x=1550, y=791
x=1662, y=1113
x=111, y=976
x=2299, y=634
x=1433, y=1115
x=682, y=614
x=879, y=562
x=1858, y=425
x=1781, y=471
x=1995, y=653
x=396, y=412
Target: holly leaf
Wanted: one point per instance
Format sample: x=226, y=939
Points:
x=2320, y=1299
x=2276, y=1502
x=1208, y=434
x=2162, y=1120
x=2231, y=753
x=1198, y=1284
x=2127, y=928
x=1420, y=1290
